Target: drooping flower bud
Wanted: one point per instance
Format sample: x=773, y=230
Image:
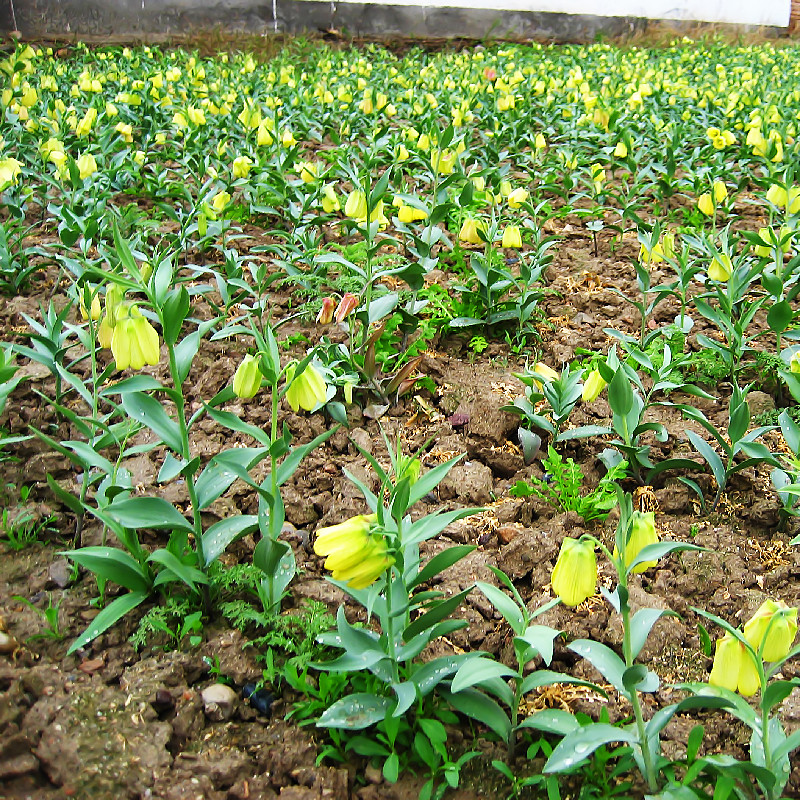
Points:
x=545, y=373
x=354, y=555
x=593, y=386
x=247, y=378
x=242, y=166
x=86, y=165
x=347, y=304
x=512, y=237
x=517, y=197
x=135, y=341
x=329, y=200
x=470, y=231
x=706, y=204
x=94, y=309
x=307, y=390
x=774, y=626
x=642, y=533
x=720, y=268
x=719, y=191
x=356, y=205
x=727, y=663
x=574, y=576
x=220, y=201
x=325, y=315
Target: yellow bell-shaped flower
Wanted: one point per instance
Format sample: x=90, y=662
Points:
x=470, y=231
x=242, y=166
x=706, y=204
x=545, y=372
x=354, y=555
x=593, y=386
x=86, y=165
x=247, y=378
x=720, y=268
x=574, y=576
x=356, y=205
x=512, y=237
x=642, y=533
x=774, y=626
x=307, y=390
x=134, y=342
x=727, y=663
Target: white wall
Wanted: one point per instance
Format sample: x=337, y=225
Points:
x=744, y=12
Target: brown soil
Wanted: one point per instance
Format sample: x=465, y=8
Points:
x=113, y=723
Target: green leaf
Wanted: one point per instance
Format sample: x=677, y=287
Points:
x=379, y=189
x=350, y=662
x=505, y=605
x=170, y=468
x=552, y=720
x=147, y=512
x=477, y=670
x=406, y=694
x=217, y=538
x=792, y=742
x=641, y=625
x=365, y=746
x=429, y=480
x=435, y=614
x=391, y=768
x=583, y=432
x=540, y=638
x=639, y=678
x=163, y=280
x=440, y=562
x=355, y=712
x=289, y=464
x=150, y=412
x=580, y=744
x=478, y=706
x=191, y=576
x=219, y=474
x=657, y=551
x=113, y=564
x=710, y=455
x=113, y=612
x=546, y=677
x=620, y=394
x=72, y=502
x=185, y=351
x=136, y=383
x=432, y=524
x=777, y=692
x=234, y=423
x=604, y=660
x=780, y=316
x=175, y=308
x=430, y=674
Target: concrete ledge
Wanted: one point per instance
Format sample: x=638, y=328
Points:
x=153, y=19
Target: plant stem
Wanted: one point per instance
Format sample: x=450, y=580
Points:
x=649, y=767
x=390, y=625
x=197, y=521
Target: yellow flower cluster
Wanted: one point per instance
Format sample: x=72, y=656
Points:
x=355, y=556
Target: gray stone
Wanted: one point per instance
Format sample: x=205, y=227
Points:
x=219, y=702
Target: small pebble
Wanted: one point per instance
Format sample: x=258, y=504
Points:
x=8, y=644
x=219, y=702
x=506, y=533
x=260, y=699
x=163, y=701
